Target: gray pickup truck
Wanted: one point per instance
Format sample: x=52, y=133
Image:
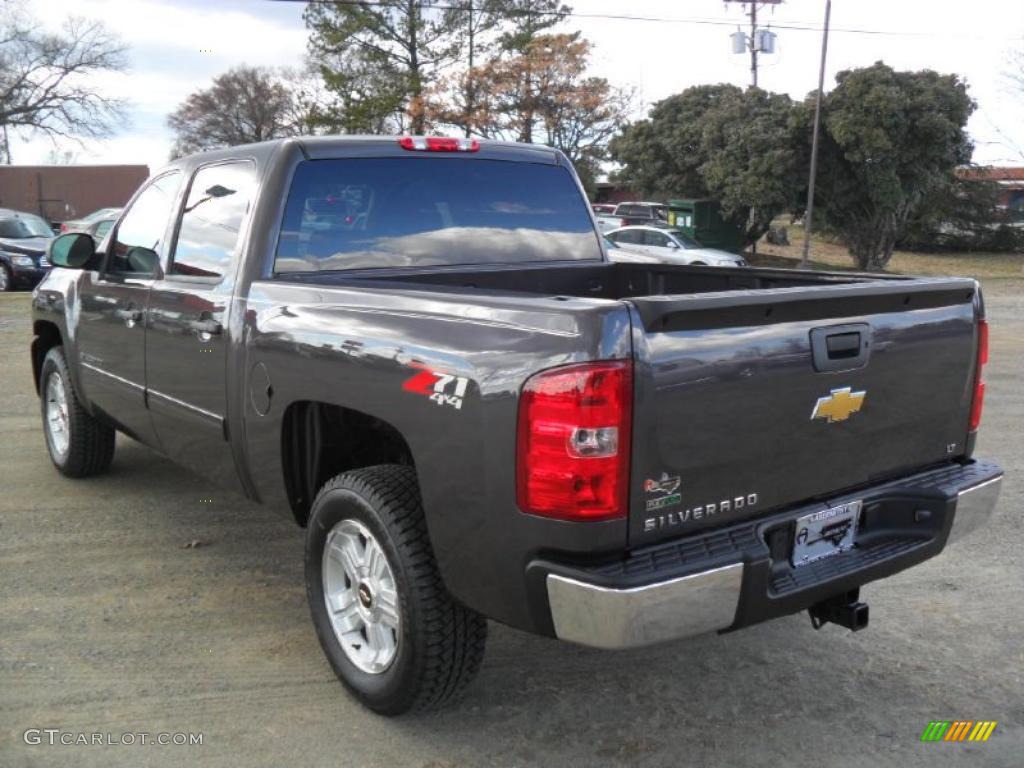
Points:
x=418, y=347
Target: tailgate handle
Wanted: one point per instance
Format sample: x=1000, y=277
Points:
x=841, y=347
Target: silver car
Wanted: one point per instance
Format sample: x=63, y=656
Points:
x=622, y=256
x=671, y=246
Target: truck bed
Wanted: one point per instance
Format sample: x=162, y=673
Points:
x=728, y=379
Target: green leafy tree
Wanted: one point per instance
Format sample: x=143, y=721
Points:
x=890, y=145
x=381, y=58
x=742, y=148
x=963, y=215
x=523, y=20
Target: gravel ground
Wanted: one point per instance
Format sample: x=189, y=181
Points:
x=111, y=622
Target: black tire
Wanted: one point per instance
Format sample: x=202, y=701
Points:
x=6, y=279
x=697, y=264
x=440, y=643
x=90, y=446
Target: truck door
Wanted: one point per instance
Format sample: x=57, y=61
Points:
x=187, y=340
x=111, y=326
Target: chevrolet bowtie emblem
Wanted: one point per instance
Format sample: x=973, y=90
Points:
x=838, y=405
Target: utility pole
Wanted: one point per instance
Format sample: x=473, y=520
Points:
x=753, y=44
x=809, y=213
x=470, y=84
x=757, y=42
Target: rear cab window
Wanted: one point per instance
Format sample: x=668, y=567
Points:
x=367, y=213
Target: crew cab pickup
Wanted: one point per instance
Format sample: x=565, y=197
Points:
x=418, y=348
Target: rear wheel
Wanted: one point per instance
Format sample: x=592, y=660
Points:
x=392, y=633
x=79, y=445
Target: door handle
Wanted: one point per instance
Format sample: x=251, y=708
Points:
x=130, y=315
x=206, y=327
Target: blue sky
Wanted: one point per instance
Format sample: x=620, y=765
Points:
x=656, y=58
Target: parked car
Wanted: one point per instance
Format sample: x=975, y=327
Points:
x=418, y=349
x=628, y=214
x=23, y=241
x=622, y=256
x=97, y=223
x=672, y=246
x=602, y=208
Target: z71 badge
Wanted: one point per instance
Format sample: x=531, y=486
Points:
x=442, y=388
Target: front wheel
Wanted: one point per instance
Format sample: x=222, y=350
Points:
x=6, y=280
x=392, y=633
x=79, y=445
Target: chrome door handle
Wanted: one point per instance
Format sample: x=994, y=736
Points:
x=130, y=316
x=209, y=327
x=205, y=327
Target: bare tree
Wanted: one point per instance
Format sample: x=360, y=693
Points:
x=46, y=79
x=1014, y=77
x=244, y=105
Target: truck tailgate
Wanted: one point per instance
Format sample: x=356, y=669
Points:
x=748, y=401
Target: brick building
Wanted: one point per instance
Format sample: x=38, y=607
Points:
x=62, y=192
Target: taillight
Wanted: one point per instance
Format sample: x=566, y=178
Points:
x=573, y=445
x=438, y=144
x=623, y=222
x=978, y=402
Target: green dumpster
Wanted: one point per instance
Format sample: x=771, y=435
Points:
x=702, y=220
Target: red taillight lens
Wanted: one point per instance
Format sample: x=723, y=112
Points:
x=572, y=456
x=438, y=144
x=624, y=222
x=978, y=403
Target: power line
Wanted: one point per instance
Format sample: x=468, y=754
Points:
x=796, y=26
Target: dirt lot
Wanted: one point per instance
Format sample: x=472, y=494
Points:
x=110, y=623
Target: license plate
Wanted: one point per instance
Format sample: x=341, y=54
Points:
x=825, y=533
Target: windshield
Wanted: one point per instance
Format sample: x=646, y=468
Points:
x=102, y=213
x=684, y=239
x=23, y=227
x=412, y=212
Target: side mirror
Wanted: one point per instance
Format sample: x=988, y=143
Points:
x=142, y=260
x=73, y=250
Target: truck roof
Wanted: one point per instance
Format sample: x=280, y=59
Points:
x=326, y=147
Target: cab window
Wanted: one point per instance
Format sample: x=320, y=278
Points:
x=138, y=245
x=212, y=220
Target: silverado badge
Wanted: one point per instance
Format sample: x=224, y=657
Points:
x=838, y=405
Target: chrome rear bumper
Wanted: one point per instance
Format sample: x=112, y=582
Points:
x=974, y=507
x=607, y=616
x=627, y=618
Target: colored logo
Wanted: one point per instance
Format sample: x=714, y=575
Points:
x=442, y=388
x=664, y=490
x=958, y=730
x=838, y=405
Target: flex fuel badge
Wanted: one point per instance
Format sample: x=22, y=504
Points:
x=663, y=492
x=442, y=388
